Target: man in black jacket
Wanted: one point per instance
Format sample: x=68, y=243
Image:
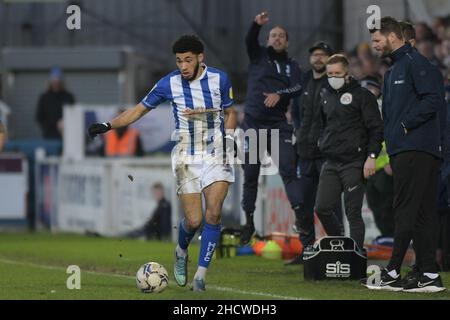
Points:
x=50, y=106
x=309, y=128
x=273, y=80
x=413, y=97
x=351, y=142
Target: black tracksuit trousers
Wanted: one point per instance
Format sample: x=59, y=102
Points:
x=415, y=208
x=336, y=178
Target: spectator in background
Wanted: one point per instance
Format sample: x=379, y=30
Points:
x=355, y=67
x=438, y=27
x=159, y=226
x=443, y=52
x=160, y=223
x=2, y=136
x=363, y=51
x=423, y=32
x=367, y=60
x=426, y=48
x=123, y=142
x=50, y=106
x=369, y=67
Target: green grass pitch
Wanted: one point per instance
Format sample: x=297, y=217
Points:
x=33, y=266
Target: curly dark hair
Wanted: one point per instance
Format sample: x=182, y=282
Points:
x=188, y=43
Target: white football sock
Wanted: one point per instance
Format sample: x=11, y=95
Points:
x=180, y=252
x=431, y=275
x=201, y=273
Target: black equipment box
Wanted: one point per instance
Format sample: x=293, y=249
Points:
x=334, y=258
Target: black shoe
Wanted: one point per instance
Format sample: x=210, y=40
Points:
x=383, y=281
x=247, y=233
x=298, y=260
x=422, y=283
x=411, y=274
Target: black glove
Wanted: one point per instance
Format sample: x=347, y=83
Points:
x=98, y=128
x=230, y=146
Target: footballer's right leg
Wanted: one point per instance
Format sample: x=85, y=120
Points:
x=192, y=208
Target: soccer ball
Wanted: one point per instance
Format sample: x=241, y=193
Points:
x=152, y=277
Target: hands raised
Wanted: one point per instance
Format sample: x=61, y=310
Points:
x=262, y=18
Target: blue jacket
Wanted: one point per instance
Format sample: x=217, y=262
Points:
x=269, y=72
x=413, y=99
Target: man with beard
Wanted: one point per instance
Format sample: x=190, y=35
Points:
x=413, y=95
x=310, y=126
x=273, y=80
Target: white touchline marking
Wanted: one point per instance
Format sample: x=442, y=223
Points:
x=217, y=288
x=254, y=293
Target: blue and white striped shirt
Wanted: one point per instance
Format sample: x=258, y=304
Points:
x=212, y=90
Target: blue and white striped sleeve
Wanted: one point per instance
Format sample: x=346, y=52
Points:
x=156, y=96
x=226, y=91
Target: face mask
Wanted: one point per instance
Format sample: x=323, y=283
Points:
x=336, y=83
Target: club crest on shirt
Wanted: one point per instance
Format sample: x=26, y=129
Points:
x=346, y=98
x=288, y=70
